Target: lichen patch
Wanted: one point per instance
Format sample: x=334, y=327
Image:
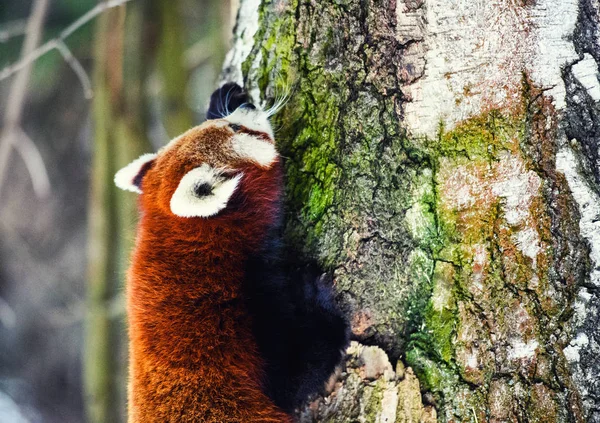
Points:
x=519, y=349
x=464, y=76
x=589, y=206
x=572, y=350
x=246, y=27
x=517, y=186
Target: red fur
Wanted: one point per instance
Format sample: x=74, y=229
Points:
x=192, y=354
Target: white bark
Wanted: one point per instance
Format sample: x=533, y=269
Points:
x=473, y=54
x=463, y=138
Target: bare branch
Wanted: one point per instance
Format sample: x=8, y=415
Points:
x=12, y=135
x=55, y=42
x=12, y=29
x=32, y=157
x=16, y=96
x=6, y=143
x=77, y=68
x=34, y=162
x=27, y=60
x=99, y=8
x=8, y=317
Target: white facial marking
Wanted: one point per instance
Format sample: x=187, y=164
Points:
x=250, y=147
x=256, y=120
x=124, y=178
x=187, y=203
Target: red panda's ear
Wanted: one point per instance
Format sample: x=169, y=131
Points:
x=130, y=177
x=203, y=192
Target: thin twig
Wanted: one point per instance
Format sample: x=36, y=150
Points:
x=77, y=68
x=27, y=60
x=12, y=29
x=12, y=135
x=8, y=317
x=16, y=97
x=32, y=39
x=55, y=42
x=34, y=162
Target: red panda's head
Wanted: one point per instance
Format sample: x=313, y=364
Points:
x=225, y=171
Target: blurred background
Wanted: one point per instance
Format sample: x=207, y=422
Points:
x=64, y=229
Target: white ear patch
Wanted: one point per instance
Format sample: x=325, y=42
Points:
x=249, y=147
x=126, y=177
x=203, y=192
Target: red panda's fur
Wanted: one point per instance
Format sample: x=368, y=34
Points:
x=193, y=357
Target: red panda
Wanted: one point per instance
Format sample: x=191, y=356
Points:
x=218, y=331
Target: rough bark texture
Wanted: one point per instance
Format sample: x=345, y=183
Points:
x=442, y=160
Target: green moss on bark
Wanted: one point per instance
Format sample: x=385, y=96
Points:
x=444, y=250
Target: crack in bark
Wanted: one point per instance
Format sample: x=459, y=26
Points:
x=354, y=177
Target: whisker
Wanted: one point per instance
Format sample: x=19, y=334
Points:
x=278, y=106
x=227, y=100
x=220, y=106
x=279, y=103
x=278, y=129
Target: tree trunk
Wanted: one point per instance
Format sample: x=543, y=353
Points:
x=442, y=160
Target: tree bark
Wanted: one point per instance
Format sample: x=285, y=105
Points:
x=442, y=161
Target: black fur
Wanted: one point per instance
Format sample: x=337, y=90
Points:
x=137, y=181
x=300, y=332
x=225, y=100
